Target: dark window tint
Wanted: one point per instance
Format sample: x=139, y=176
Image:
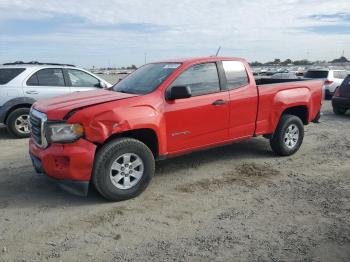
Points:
x=146, y=79
x=236, y=74
x=316, y=74
x=7, y=74
x=81, y=79
x=346, y=81
x=345, y=87
x=47, y=77
x=33, y=80
x=202, y=79
x=340, y=74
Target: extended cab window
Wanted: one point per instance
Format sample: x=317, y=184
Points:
x=7, y=74
x=47, y=77
x=236, y=75
x=202, y=79
x=81, y=79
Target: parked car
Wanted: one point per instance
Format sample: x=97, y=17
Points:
x=341, y=98
x=21, y=84
x=285, y=75
x=332, y=78
x=164, y=109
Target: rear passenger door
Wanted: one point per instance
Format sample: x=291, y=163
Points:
x=82, y=81
x=243, y=100
x=46, y=83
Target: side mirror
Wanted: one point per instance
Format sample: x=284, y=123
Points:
x=178, y=92
x=103, y=85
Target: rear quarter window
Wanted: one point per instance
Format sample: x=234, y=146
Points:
x=316, y=74
x=8, y=74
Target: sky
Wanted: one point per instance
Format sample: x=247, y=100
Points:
x=120, y=32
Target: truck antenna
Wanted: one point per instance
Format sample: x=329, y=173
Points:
x=217, y=52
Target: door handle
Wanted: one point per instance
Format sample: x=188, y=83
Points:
x=32, y=92
x=219, y=102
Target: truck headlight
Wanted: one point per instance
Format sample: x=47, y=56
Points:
x=65, y=133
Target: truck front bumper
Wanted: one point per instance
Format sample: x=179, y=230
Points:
x=69, y=164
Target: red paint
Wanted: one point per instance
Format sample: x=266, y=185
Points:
x=180, y=126
x=68, y=161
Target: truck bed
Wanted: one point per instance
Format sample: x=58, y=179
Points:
x=275, y=97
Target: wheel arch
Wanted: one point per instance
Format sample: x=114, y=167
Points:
x=11, y=105
x=300, y=111
x=146, y=135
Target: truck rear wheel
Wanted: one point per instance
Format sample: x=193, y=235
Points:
x=288, y=135
x=123, y=169
x=18, y=123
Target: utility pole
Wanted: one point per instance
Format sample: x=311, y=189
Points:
x=145, y=58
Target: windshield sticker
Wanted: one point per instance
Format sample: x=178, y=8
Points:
x=171, y=66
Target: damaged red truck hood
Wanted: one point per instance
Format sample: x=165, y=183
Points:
x=57, y=108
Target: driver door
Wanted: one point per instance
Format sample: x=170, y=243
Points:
x=202, y=119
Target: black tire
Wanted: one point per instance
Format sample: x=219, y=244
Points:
x=108, y=154
x=11, y=122
x=339, y=111
x=278, y=140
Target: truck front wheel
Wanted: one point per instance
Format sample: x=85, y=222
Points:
x=288, y=135
x=123, y=169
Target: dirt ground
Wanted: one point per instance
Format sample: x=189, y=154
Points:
x=234, y=203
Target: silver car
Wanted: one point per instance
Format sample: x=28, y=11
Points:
x=22, y=84
x=332, y=78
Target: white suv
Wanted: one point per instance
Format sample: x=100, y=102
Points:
x=332, y=78
x=22, y=84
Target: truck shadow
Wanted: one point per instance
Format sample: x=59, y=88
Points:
x=22, y=187
x=28, y=189
x=329, y=116
x=4, y=134
x=248, y=150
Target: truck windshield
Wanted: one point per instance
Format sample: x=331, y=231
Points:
x=146, y=79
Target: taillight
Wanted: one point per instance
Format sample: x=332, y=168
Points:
x=328, y=82
x=337, y=92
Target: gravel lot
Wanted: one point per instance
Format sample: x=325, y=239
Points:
x=238, y=202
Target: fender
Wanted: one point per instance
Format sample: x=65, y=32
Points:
x=101, y=125
x=272, y=104
x=15, y=102
x=286, y=99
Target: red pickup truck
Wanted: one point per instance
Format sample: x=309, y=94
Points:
x=112, y=138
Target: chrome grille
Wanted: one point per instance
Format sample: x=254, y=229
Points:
x=37, y=122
